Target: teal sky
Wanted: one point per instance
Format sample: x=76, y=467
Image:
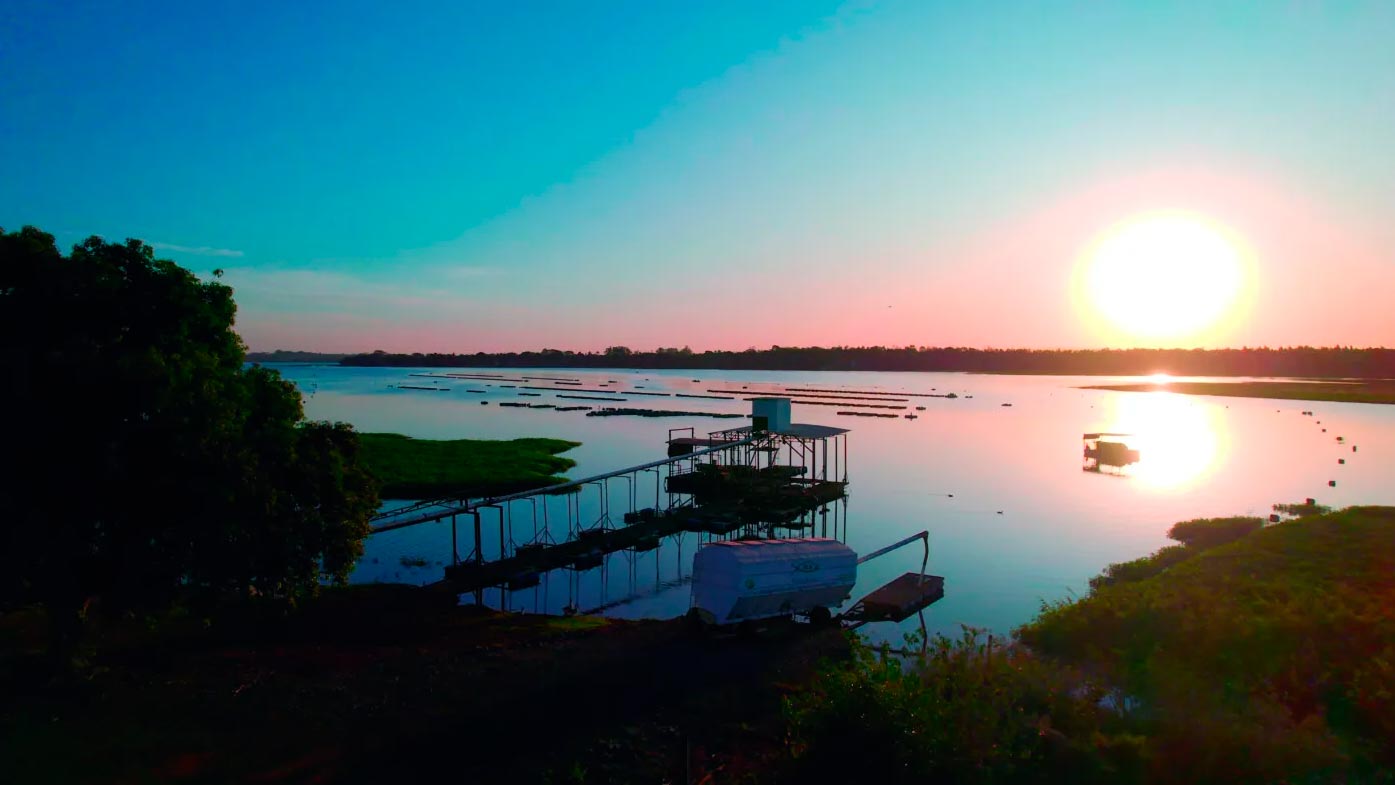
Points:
x=462, y=176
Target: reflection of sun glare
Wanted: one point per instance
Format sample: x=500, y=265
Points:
x=1179, y=440
x=1164, y=276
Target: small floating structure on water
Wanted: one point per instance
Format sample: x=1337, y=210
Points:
x=850, y=404
x=1105, y=450
x=612, y=412
x=422, y=387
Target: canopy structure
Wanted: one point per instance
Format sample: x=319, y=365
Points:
x=798, y=430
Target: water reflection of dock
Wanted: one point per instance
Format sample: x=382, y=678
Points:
x=771, y=477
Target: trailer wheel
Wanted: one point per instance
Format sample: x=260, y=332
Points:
x=820, y=616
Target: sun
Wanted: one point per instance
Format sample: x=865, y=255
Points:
x=1165, y=276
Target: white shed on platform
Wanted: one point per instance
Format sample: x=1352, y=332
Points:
x=738, y=580
x=770, y=414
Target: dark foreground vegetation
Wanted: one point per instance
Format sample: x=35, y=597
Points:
x=432, y=469
x=144, y=464
x=1246, y=653
x=1303, y=361
x=394, y=683
x=1372, y=391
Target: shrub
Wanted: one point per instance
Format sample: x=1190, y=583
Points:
x=976, y=709
x=1205, y=533
x=1139, y=569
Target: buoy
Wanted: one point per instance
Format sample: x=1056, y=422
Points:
x=1274, y=518
x=1341, y=460
x=1332, y=483
x=1310, y=501
x=1353, y=448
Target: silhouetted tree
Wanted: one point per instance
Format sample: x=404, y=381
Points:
x=142, y=458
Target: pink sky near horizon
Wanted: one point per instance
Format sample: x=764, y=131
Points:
x=1007, y=284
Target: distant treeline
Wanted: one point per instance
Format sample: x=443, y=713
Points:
x=284, y=356
x=1288, y=361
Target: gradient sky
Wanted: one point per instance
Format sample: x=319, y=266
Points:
x=516, y=175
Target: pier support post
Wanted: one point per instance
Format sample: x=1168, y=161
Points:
x=479, y=542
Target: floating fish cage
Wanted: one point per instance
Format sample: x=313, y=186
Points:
x=1107, y=450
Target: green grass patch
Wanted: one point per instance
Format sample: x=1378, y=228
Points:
x=1249, y=653
x=426, y=468
x=576, y=623
x=1271, y=657
x=1374, y=391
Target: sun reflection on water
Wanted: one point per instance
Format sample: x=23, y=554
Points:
x=1180, y=440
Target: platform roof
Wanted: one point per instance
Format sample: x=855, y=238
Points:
x=800, y=430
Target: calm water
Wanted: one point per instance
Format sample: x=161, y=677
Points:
x=1024, y=524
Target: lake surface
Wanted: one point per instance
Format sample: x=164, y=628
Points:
x=1013, y=520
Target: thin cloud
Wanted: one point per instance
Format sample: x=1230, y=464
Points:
x=199, y=250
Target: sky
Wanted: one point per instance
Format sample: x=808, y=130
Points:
x=722, y=175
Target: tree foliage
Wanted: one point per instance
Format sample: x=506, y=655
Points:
x=143, y=458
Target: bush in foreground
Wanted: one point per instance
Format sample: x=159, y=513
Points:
x=976, y=709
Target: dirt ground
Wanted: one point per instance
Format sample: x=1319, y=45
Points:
x=378, y=684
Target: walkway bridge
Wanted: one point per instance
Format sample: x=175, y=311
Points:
x=731, y=482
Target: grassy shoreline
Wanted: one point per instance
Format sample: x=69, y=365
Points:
x=1336, y=391
x=1246, y=653
x=427, y=468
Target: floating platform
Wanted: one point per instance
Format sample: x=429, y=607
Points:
x=900, y=599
